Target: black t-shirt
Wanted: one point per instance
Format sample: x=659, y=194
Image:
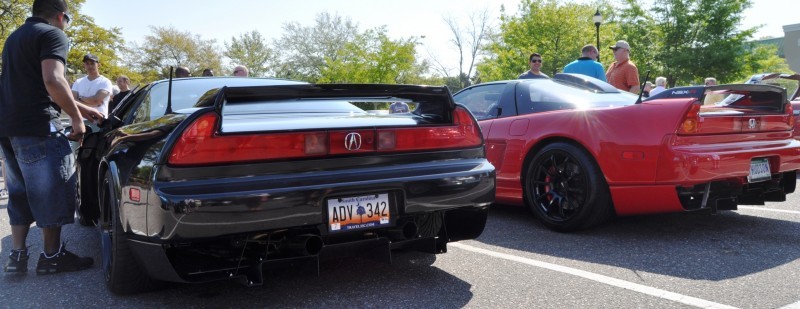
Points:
x=115, y=101
x=26, y=108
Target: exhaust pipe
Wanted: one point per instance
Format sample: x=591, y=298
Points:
x=307, y=244
x=407, y=231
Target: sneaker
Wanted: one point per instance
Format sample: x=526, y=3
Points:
x=62, y=261
x=3, y=194
x=17, y=262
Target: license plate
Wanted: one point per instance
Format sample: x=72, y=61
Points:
x=759, y=170
x=358, y=212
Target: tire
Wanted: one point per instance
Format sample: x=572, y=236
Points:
x=566, y=190
x=122, y=271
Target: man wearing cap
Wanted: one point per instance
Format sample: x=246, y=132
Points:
x=623, y=74
x=41, y=175
x=94, y=89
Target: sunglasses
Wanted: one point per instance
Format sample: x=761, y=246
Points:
x=66, y=17
x=536, y=60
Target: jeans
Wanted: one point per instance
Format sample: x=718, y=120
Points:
x=41, y=180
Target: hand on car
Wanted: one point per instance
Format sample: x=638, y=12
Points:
x=92, y=115
x=78, y=130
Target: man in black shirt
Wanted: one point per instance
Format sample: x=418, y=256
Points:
x=41, y=172
x=124, y=84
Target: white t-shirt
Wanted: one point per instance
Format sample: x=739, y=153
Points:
x=88, y=88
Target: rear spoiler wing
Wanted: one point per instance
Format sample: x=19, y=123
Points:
x=699, y=92
x=432, y=99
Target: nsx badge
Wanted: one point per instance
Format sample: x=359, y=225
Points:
x=752, y=123
x=352, y=141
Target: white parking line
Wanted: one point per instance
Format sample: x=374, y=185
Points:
x=684, y=299
x=770, y=209
x=792, y=306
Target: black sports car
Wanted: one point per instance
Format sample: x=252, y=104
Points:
x=200, y=179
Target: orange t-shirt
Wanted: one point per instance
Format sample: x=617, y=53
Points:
x=623, y=75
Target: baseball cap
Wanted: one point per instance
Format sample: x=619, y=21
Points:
x=620, y=44
x=90, y=57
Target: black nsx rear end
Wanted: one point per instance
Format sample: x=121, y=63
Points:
x=252, y=177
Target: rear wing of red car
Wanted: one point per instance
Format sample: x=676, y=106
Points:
x=762, y=97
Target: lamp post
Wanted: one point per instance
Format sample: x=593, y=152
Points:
x=598, y=19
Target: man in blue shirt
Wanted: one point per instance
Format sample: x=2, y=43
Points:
x=587, y=64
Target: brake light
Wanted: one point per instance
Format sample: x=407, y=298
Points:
x=790, y=112
x=462, y=134
x=201, y=144
x=691, y=120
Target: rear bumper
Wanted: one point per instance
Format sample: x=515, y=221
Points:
x=185, y=210
x=689, y=162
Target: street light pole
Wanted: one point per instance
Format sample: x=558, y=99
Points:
x=598, y=19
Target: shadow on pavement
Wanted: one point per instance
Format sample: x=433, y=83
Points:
x=693, y=246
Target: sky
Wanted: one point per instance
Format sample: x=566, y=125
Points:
x=222, y=20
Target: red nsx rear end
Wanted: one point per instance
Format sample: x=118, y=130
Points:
x=576, y=151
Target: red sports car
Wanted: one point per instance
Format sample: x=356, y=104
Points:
x=577, y=151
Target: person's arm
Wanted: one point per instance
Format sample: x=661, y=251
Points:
x=599, y=72
x=58, y=89
x=95, y=100
x=633, y=80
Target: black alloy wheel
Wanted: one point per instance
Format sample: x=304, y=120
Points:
x=565, y=188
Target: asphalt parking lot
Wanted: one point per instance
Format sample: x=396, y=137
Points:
x=748, y=258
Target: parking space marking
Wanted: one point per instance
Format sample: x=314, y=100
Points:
x=792, y=306
x=770, y=209
x=684, y=299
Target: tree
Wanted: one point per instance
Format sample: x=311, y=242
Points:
x=168, y=46
x=372, y=58
x=85, y=36
x=698, y=38
x=305, y=50
x=468, y=40
x=556, y=30
x=251, y=50
x=12, y=15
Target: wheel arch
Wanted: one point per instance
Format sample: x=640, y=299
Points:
x=533, y=150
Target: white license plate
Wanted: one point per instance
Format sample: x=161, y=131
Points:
x=359, y=212
x=759, y=170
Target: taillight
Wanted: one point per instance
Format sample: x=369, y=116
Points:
x=691, y=120
x=790, y=112
x=462, y=134
x=200, y=144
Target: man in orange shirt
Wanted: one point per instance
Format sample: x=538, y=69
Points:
x=623, y=74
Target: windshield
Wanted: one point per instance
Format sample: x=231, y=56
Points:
x=569, y=96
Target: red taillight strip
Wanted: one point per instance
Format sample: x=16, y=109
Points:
x=200, y=144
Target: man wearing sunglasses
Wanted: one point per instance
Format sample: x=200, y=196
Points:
x=41, y=171
x=535, y=62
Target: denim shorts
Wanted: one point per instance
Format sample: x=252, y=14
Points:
x=41, y=180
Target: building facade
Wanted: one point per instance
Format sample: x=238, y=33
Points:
x=791, y=46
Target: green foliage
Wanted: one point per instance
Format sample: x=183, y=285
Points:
x=556, y=30
x=305, y=50
x=252, y=51
x=85, y=37
x=689, y=39
x=168, y=46
x=371, y=58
